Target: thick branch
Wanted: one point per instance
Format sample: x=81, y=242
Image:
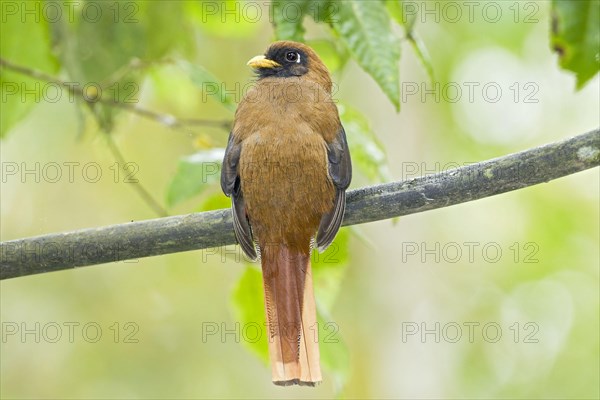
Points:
x=60, y=251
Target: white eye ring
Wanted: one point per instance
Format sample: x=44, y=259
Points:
x=298, y=60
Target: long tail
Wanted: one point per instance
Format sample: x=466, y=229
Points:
x=291, y=316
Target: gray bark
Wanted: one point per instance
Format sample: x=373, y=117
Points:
x=59, y=251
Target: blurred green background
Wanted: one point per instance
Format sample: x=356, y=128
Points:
x=497, y=298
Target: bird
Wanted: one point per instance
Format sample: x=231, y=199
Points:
x=286, y=169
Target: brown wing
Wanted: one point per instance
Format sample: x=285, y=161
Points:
x=230, y=183
x=340, y=171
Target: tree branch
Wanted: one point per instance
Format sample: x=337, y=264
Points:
x=164, y=119
x=55, y=252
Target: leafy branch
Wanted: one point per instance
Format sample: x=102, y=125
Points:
x=59, y=251
x=91, y=97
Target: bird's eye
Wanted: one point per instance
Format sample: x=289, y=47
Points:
x=292, y=56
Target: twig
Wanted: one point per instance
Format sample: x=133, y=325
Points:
x=55, y=252
x=162, y=118
x=165, y=119
x=139, y=188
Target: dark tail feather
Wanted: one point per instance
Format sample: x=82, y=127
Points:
x=291, y=316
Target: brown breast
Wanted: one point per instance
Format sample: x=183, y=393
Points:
x=283, y=162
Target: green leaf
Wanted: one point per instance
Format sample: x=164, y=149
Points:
x=335, y=355
x=208, y=83
x=103, y=48
x=249, y=310
x=333, y=57
x=368, y=154
x=288, y=16
x=329, y=269
x=404, y=13
x=324, y=10
x=226, y=18
x=25, y=42
x=287, y=19
x=365, y=28
x=158, y=21
x=216, y=201
x=195, y=173
x=576, y=37
x=171, y=89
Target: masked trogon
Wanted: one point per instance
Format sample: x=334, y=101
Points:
x=286, y=168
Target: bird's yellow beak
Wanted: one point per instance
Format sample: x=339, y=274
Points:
x=262, y=62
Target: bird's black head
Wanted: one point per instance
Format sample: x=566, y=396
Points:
x=282, y=59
